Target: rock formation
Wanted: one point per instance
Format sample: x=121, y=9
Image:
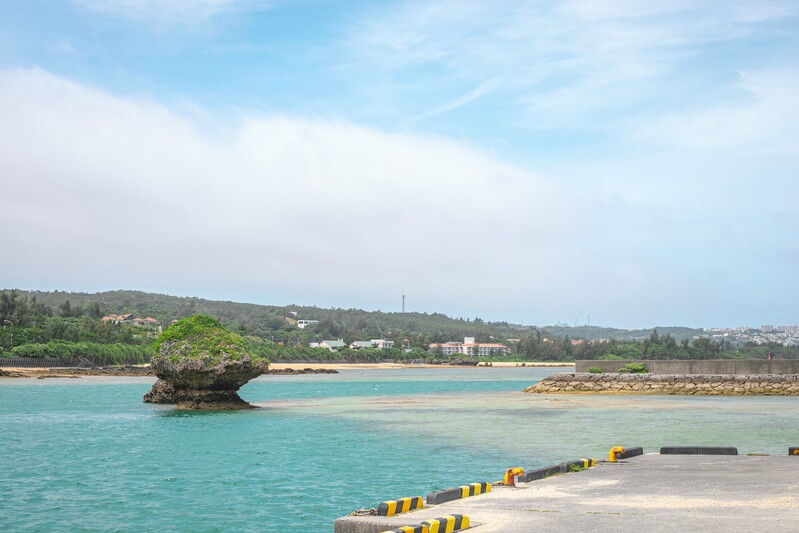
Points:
x=201, y=366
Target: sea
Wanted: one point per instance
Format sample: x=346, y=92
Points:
x=87, y=455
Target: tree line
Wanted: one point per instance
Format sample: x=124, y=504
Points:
x=68, y=325
x=536, y=347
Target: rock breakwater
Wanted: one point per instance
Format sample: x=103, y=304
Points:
x=688, y=384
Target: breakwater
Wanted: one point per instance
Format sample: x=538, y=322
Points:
x=698, y=366
x=689, y=384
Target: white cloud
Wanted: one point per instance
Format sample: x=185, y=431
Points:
x=758, y=116
x=120, y=191
x=100, y=191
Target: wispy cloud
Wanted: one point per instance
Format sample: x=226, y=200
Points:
x=565, y=64
x=478, y=92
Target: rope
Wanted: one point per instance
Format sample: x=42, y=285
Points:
x=364, y=512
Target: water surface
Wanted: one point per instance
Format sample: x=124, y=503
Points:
x=88, y=455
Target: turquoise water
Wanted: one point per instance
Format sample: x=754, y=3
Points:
x=88, y=455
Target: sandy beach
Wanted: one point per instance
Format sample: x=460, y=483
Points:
x=340, y=366
x=43, y=373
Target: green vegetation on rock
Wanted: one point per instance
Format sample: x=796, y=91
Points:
x=202, y=337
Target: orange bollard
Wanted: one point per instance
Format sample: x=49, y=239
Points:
x=614, y=453
x=510, y=476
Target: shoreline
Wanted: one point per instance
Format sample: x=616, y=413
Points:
x=363, y=366
x=143, y=371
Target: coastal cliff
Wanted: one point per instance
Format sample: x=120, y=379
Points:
x=688, y=384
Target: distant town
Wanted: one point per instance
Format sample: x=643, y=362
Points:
x=767, y=334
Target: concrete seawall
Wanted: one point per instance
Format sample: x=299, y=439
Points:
x=699, y=366
x=727, y=384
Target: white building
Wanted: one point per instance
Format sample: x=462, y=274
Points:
x=361, y=345
x=382, y=344
x=470, y=347
x=303, y=323
x=333, y=346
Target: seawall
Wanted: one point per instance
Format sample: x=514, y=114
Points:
x=692, y=384
x=699, y=366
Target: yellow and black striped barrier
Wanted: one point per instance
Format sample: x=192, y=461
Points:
x=403, y=505
x=473, y=489
x=447, y=495
x=447, y=524
x=562, y=468
x=541, y=473
x=408, y=529
x=793, y=451
x=620, y=452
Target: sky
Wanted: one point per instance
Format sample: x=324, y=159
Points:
x=630, y=161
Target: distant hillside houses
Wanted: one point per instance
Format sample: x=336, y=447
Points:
x=336, y=345
x=131, y=320
x=374, y=343
x=331, y=345
x=303, y=323
x=469, y=347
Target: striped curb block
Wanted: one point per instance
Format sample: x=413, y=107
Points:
x=447, y=495
x=447, y=524
x=698, y=450
x=793, y=451
x=562, y=468
x=408, y=529
x=630, y=452
x=541, y=473
x=580, y=464
x=402, y=505
x=444, y=524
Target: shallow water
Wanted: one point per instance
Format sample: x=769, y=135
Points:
x=87, y=455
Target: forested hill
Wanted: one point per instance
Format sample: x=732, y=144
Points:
x=593, y=333
x=67, y=325
x=269, y=321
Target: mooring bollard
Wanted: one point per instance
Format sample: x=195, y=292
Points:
x=510, y=476
x=614, y=453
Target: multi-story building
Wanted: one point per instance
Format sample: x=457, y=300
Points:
x=470, y=347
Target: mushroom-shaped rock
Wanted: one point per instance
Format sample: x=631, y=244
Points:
x=201, y=366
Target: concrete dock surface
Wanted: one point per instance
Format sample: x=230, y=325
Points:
x=648, y=493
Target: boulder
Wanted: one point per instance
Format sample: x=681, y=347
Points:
x=162, y=392
x=200, y=366
x=463, y=362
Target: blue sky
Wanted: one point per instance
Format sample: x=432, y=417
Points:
x=630, y=160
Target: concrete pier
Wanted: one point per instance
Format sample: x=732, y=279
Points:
x=653, y=493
